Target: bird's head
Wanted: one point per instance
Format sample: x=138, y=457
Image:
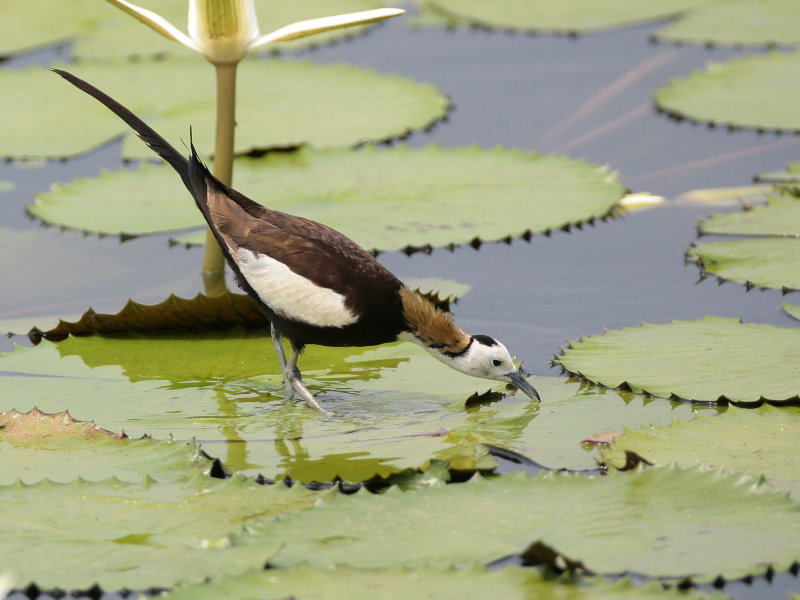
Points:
x=487, y=358
x=477, y=355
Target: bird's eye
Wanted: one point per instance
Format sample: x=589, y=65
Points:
x=497, y=362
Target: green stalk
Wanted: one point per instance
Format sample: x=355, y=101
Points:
x=214, y=261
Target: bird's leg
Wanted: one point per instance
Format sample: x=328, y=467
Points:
x=292, y=377
x=277, y=341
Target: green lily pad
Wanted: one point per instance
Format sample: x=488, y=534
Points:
x=780, y=217
x=787, y=180
x=175, y=313
x=763, y=262
x=124, y=37
x=763, y=441
x=708, y=360
x=37, y=446
x=445, y=290
x=395, y=407
x=736, y=22
x=510, y=583
x=767, y=262
x=274, y=106
x=384, y=199
x=754, y=92
x=201, y=312
x=585, y=16
x=26, y=26
x=140, y=534
x=792, y=309
x=693, y=524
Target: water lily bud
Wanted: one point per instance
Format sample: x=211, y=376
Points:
x=223, y=29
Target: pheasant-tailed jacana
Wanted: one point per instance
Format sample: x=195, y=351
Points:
x=315, y=285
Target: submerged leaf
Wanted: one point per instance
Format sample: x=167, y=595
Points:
x=763, y=441
x=292, y=116
x=743, y=196
x=395, y=407
x=385, y=199
x=132, y=535
x=755, y=91
x=510, y=583
x=692, y=524
x=37, y=446
x=716, y=359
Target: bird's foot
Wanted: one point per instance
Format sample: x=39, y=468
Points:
x=293, y=384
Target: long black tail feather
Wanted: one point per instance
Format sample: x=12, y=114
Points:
x=148, y=135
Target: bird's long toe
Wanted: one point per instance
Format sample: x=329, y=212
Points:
x=295, y=387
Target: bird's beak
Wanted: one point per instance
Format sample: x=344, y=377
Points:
x=518, y=379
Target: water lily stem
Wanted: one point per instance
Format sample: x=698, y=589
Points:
x=214, y=262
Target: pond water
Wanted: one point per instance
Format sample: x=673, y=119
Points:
x=587, y=97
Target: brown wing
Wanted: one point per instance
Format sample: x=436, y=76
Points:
x=310, y=249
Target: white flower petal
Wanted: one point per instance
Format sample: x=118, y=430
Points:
x=156, y=22
x=312, y=26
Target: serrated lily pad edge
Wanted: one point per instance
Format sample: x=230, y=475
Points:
x=451, y=20
x=749, y=482
x=615, y=212
x=722, y=400
x=691, y=257
x=678, y=116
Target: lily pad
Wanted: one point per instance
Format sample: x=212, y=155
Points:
x=754, y=92
x=693, y=524
x=712, y=359
x=384, y=199
x=763, y=441
x=510, y=583
x=395, y=407
x=767, y=262
x=141, y=534
x=274, y=106
x=763, y=262
x=37, y=446
x=736, y=22
x=780, y=217
x=124, y=37
x=585, y=16
x=174, y=313
x=202, y=312
x=26, y=26
x=787, y=180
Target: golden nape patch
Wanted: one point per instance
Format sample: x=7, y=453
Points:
x=432, y=326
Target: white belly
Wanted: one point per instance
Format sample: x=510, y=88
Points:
x=292, y=295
